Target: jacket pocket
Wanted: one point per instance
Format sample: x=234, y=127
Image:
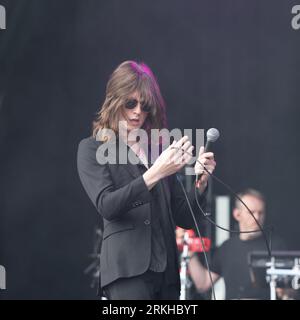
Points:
x=115, y=227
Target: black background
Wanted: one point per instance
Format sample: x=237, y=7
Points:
x=233, y=65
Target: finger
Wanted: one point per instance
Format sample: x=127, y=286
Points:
x=173, y=143
x=205, y=168
x=177, y=158
x=207, y=155
x=186, y=159
x=186, y=146
x=209, y=169
x=182, y=147
x=199, y=170
x=189, y=151
x=173, y=147
x=209, y=163
x=181, y=141
x=188, y=155
x=184, y=153
x=204, y=161
x=212, y=163
x=183, y=158
x=201, y=151
x=179, y=162
x=204, y=178
x=186, y=150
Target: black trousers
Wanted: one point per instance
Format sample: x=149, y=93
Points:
x=148, y=286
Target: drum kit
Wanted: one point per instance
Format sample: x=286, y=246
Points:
x=187, y=242
x=281, y=272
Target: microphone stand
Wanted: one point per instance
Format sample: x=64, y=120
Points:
x=183, y=267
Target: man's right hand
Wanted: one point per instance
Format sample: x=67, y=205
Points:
x=176, y=156
x=171, y=160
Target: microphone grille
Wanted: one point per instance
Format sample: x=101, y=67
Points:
x=212, y=134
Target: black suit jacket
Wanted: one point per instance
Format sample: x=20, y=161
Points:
x=122, y=198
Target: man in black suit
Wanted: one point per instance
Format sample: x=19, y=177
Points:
x=140, y=203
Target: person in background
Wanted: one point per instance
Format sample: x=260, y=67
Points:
x=230, y=260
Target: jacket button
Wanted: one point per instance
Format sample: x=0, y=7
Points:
x=147, y=222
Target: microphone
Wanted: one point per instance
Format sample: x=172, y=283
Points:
x=212, y=135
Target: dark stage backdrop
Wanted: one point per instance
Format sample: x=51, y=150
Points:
x=229, y=64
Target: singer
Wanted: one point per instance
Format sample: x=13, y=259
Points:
x=139, y=204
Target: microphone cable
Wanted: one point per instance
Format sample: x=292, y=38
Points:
x=260, y=228
x=212, y=222
x=237, y=197
x=200, y=236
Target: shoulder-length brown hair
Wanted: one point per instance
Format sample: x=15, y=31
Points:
x=130, y=77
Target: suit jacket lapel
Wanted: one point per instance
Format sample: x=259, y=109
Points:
x=131, y=168
x=166, y=188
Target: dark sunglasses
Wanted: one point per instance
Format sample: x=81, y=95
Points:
x=132, y=103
